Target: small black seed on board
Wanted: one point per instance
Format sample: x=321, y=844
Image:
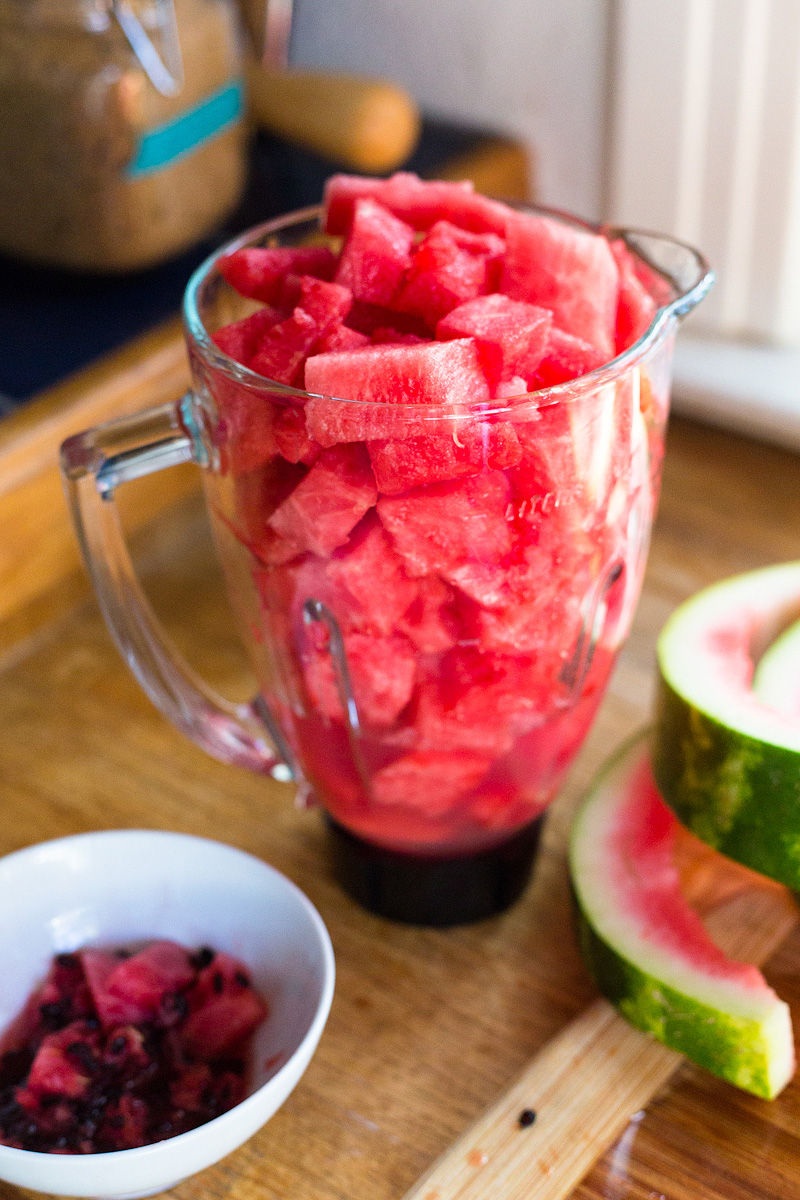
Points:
x=526, y=1118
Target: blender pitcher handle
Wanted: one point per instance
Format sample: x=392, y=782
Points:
x=93, y=464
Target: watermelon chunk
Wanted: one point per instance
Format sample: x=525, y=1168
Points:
x=382, y=674
x=327, y=303
x=636, y=307
x=429, y=622
x=241, y=339
x=64, y=1063
x=376, y=590
x=418, y=202
x=569, y=271
x=512, y=336
x=441, y=526
x=133, y=990
x=376, y=254
x=445, y=374
x=293, y=439
x=341, y=337
x=477, y=701
x=224, y=1009
x=258, y=272
x=256, y=495
x=565, y=358
x=326, y=506
x=244, y=433
x=429, y=780
x=283, y=350
x=369, y=318
x=469, y=448
x=447, y=268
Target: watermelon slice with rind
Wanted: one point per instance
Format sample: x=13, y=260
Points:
x=726, y=762
x=649, y=951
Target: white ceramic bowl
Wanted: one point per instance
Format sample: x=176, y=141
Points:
x=124, y=886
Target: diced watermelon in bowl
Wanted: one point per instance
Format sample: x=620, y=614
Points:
x=433, y=471
x=161, y=996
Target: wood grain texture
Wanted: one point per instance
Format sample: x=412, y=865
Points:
x=428, y=1027
x=40, y=572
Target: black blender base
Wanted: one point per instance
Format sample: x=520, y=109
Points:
x=434, y=891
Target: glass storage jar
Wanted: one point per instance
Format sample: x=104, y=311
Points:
x=121, y=131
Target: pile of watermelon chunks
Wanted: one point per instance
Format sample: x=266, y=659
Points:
x=115, y=1050
x=415, y=514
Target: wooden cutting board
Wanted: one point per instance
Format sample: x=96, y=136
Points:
x=428, y=1028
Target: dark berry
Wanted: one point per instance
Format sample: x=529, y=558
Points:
x=203, y=958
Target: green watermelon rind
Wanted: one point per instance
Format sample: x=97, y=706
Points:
x=728, y=768
x=741, y=1034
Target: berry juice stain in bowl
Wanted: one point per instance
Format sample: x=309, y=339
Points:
x=117, y=1049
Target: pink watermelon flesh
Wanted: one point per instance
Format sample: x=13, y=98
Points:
x=512, y=335
x=282, y=352
x=477, y=701
x=418, y=202
x=258, y=273
x=444, y=374
x=565, y=358
x=224, y=1009
x=132, y=990
x=636, y=307
x=373, y=580
x=430, y=780
x=341, y=337
x=376, y=254
x=445, y=272
x=466, y=450
x=382, y=674
x=369, y=318
x=58, y=1070
x=385, y=334
x=292, y=437
x=327, y=303
x=644, y=833
x=245, y=433
x=241, y=339
x=429, y=622
x=438, y=527
x=326, y=506
x=569, y=271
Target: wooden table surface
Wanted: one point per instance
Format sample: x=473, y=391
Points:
x=427, y=1027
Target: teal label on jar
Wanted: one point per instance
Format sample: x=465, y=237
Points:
x=160, y=147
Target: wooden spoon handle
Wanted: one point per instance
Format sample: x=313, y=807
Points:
x=584, y=1086
x=365, y=123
